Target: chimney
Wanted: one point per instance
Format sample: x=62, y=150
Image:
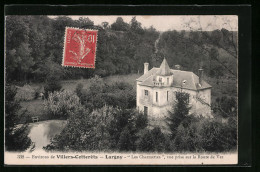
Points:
x=146, y=65
x=200, y=75
x=177, y=67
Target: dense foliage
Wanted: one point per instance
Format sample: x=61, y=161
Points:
x=100, y=93
x=179, y=112
x=193, y=133
x=105, y=129
x=118, y=129
x=16, y=136
x=34, y=47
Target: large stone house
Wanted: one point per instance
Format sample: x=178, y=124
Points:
x=156, y=90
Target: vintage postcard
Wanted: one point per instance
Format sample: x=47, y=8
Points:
x=121, y=90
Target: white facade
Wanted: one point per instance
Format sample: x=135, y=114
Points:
x=156, y=92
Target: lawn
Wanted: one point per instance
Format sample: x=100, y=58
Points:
x=34, y=108
x=70, y=85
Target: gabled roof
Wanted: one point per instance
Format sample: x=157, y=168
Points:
x=181, y=79
x=164, y=69
x=188, y=80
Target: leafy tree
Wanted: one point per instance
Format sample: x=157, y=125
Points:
x=135, y=26
x=127, y=139
x=85, y=22
x=187, y=137
x=18, y=57
x=180, y=111
x=141, y=121
x=103, y=129
x=78, y=135
x=60, y=104
x=146, y=143
x=105, y=25
x=48, y=69
x=153, y=141
x=16, y=137
x=119, y=121
x=120, y=25
x=52, y=84
x=161, y=142
x=202, y=134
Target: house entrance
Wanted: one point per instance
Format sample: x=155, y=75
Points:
x=145, y=110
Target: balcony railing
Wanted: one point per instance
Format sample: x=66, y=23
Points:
x=158, y=84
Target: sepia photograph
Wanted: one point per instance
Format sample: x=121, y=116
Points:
x=121, y=89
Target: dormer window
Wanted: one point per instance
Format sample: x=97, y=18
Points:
x=160, y=79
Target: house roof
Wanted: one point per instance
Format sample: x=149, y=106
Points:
x=181, y=79
x=164, y=69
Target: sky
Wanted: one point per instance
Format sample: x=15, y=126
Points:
x=174, y=22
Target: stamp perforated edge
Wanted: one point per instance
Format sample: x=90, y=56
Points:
x=64, y=44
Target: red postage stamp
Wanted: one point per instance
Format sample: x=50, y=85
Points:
x=79, y=48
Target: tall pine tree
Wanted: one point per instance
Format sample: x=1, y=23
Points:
x=179, y=113
x=16, y=136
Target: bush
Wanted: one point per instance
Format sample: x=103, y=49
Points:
x=25, y=93
x=61, y=104
x=99, y=94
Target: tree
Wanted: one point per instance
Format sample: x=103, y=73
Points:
x=85, y=22
x=105, y=25
x=187, y=136
x=135, y=26
x=60, y=104
x=161, y=143
x=52, y=84
x=146, y=143
x=16, y=137
x=141, y=121
x=127, y=139
x=180, y=111
x=120, y=25
x=78, y=134
x=18, y=56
